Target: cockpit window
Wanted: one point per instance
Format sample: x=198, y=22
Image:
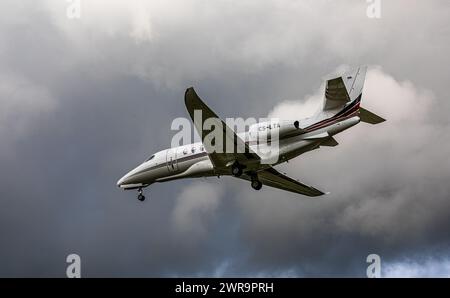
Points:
x=151, y=157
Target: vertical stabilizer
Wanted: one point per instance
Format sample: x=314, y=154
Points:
x=341, y=91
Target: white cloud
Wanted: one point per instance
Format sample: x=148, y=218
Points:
x=412, y=268
x=294, y=109
x=22, y=102
x=195, y=209
x=188, y=40
x=379, y=178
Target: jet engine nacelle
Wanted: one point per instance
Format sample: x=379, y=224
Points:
x=267, y=130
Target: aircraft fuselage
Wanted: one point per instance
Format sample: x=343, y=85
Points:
x=192, y=161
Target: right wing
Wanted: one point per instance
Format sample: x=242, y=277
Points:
x=273, y=178
x=221, y=160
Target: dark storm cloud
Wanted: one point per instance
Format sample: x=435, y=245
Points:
x=85, y=100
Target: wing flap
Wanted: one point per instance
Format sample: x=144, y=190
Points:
x=273, y=178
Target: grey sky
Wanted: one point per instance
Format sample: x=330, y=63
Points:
x=84, y=100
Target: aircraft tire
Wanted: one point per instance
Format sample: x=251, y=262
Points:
x=236, y=170
x=256, y=184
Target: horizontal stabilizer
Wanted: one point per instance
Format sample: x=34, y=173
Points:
x=369, y=117
x=329, y=142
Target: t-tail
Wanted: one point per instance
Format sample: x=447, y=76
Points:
x=343, y=97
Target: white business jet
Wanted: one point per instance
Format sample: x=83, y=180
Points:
x=253, y=162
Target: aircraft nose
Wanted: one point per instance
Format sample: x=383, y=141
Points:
x=122, y=181
x=130, y=177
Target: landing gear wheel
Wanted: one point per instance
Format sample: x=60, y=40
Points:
x=256, y=184
x=236, y=170
x=141, y=197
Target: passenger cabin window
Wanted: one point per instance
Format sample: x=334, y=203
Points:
x=193, y=149
x=150, y=158
x=185, y=151
x=202, y=148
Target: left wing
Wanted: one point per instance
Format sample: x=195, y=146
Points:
x=273, y=178
x=221, y=160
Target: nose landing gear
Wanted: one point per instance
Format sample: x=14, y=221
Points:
x=141, y=197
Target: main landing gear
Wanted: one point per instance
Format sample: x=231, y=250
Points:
x=236, y=169
x=256, y=184
x=141, y=197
